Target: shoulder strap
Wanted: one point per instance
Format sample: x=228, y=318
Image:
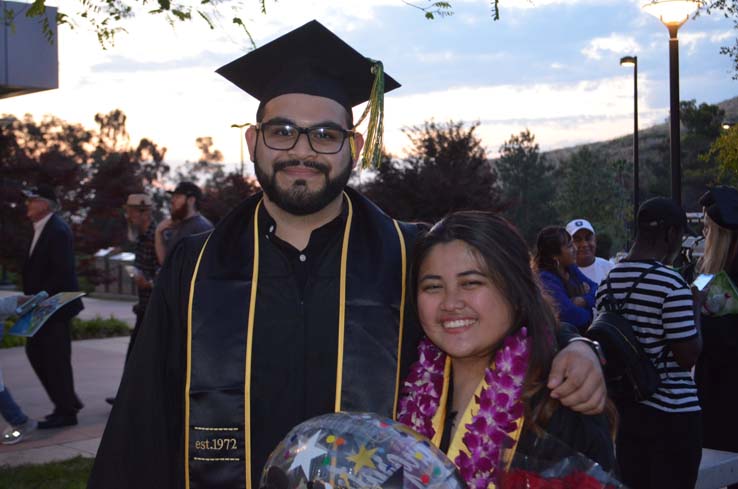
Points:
x=615, y=305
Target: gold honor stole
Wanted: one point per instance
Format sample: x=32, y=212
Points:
x=217, y=427
x=457, y=442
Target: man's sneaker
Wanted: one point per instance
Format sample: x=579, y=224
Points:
x=14, y=434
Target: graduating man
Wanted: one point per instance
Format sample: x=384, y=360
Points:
x=295, y=305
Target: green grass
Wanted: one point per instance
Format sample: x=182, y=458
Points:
x=81, y=330
x=70, y=474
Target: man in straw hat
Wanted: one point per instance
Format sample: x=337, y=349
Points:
x=295, y=305
x=141, y=230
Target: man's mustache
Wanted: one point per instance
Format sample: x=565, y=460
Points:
x=282, y=165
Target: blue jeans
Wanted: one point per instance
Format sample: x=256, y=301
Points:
x=10, y=410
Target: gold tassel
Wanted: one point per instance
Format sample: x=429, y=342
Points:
x=375, y=129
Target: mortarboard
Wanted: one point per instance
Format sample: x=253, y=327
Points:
x=314, y=61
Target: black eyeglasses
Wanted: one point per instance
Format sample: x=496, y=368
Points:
x=283, y=137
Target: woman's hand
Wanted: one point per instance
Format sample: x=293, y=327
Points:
x=699, y=297
x=580, y=302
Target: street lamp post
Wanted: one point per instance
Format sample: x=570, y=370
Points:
x=673, y=14
x=633, y=61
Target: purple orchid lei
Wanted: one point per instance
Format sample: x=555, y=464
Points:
x=499, y=405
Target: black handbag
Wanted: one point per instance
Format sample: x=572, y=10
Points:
x=629, y=372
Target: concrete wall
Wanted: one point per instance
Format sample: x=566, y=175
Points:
x=29, y=62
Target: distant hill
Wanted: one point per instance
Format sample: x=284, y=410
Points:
x=648, y=138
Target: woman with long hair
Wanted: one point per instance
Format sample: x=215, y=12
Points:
x=717, y=369
x=479, y=385
x=572, y=292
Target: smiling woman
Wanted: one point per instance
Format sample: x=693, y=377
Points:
x=479, y=386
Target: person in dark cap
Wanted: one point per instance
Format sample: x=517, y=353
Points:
x=717, y=368
x=659, y=439
x=50, y=266
x=185, y=219
x=294, y=306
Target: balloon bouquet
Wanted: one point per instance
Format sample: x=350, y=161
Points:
x=357, y=451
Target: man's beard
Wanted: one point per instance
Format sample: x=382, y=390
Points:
x=297, y=199
x=179, y=213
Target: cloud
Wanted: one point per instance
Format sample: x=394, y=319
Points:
x=689, y=40
x=560, y=114
x=615, y=43
x=722, y=36
x=527, y=4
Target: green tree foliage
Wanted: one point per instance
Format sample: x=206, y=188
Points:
x=446, y=170
x=107, y=18
x=92, y=170
x=724, y=152
x=527, y=184
x=222, y=190
x=593, y=188
x=49, y=151
x=702, y=124
x=729, y=9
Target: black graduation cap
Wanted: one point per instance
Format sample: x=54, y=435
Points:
x=314, y=61
x=721, y=204
x=310, y=59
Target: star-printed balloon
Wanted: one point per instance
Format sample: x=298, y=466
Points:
x=357, y=451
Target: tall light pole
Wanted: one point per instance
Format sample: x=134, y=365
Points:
x=673, y=14
x=633, y=61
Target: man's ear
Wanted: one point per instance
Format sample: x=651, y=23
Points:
x=358, y=145
x=251, y=135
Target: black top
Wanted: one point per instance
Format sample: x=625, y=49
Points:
x=294, y=366
x=294, y=353
x=51, y=266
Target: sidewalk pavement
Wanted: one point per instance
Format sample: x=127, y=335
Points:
x=97, y=367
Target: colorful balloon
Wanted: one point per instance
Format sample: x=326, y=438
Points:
x=357, y=451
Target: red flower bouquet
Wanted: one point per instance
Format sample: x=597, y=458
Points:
x=547, y=463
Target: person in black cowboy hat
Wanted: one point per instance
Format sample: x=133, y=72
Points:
x=50, y=266
x=185, y=219
x=717, y=367
x=294, y=305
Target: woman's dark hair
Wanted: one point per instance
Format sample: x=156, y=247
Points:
x=548, y=245
x=504, y=255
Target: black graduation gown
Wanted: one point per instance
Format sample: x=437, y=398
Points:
x=144, y=441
